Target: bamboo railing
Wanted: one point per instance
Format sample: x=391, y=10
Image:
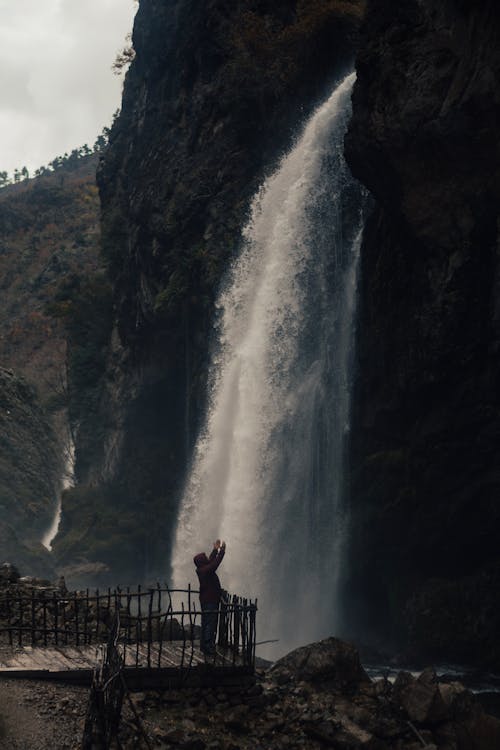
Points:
x=149, y=618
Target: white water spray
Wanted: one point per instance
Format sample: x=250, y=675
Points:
x=66, y=482
x=267, y=471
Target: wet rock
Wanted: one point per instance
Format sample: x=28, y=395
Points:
x=422, y=701
x=425, y=421
x=331, y=660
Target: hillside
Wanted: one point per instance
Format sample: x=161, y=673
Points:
x=49, y=230
x=49, y=236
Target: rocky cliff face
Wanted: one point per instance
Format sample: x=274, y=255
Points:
x=425, y=451
x=30, y=470
x=212, y=99
x=48, y=246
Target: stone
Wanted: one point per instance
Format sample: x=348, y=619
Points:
x=8, y=573
x=174, y=736
x=485, y=731
x=193, y=744
x=138, y=699
x=455, y=697
x=423, y=703
x=330, y=660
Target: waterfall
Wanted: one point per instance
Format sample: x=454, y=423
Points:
x=67, y=480
x=267, y=472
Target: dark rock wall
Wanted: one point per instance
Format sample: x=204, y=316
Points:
x=426, y=424
x=214, y=96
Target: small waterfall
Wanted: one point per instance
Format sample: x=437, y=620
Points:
x=267, y=474
x=66, y=482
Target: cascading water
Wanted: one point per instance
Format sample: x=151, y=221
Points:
x=267, y=473
x=67, y=480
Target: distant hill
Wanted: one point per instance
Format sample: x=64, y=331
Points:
x=49, y=229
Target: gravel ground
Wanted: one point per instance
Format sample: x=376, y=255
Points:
x=36, y=715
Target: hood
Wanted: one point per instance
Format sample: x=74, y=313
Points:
x=200, y=559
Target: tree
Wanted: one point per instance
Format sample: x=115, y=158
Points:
x=124, y=58
x=100, y=143
x=4, y=179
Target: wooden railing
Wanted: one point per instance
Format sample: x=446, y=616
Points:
x=147, y=616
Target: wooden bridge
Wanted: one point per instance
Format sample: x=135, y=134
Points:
x=46, y=633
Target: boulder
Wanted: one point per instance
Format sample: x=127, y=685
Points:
x=8, y=573
x=420, y=698
x=329, y=661
x=480, y=732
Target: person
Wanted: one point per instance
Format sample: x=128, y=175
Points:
x=210, y=594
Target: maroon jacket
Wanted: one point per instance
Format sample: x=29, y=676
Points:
x=210, y=588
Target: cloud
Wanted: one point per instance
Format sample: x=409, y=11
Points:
x=57, y=90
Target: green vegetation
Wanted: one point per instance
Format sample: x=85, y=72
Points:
x=50, y=235
x=67, y=162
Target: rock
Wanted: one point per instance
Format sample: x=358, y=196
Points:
x=193, y=744
x=138, y=699
x=423, y=703
x=351, y=735
x=331, y=660
x=175, y=736
x=424, y=446
x=8, y=573
x=484, y=730
x=236, y=725
x=254, y=690
x=455, y=697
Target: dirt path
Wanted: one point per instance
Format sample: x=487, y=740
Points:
x=41, y=715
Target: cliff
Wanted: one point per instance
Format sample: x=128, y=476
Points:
x=48, y=244
x=425, y=561
x=29, y=475
x=213, y=97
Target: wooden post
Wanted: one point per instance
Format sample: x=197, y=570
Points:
x=65, y=631
x=56, y=618
x=129, y=615
x=254, y=616
x=183, y=636
x=189, y=611
x=236, y=628
x=9, y=609
x=150, y=624
x=98, y=614
x=20, y=633
x=222, y=629
x=244, y=629
x=44, y=604
x=137, y=641
x=109, y=618
x=86, y=619
x=77, y=631
x=33, y=637
x=139, y=611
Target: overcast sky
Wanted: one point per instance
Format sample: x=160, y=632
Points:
x=57, y=90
